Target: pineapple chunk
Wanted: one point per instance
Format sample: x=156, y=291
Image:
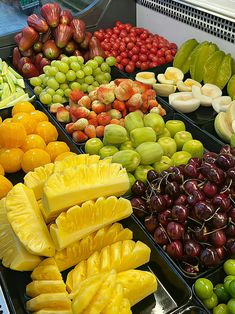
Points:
x=82, y=183
x=84, y=248
x=12, y=252
x=125, y=307
x=137, y=284
x=115, y=302
x=27, y=222
x=79, y=222
x=35, y=179
x=45, y=311
x=38, y=287
x=48, y=272
x=48, y=261
x=121, y=256
x=49, y=301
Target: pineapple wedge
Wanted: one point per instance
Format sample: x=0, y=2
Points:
x=27, y=222
x=82, y=183
x=84, y=248
x=35, y=179
x=49, y=301
x=12, y=252
x=37, y=287
x=55, y=312
x=79, y=222
x=137, y=284
x=116, y=301
x=125, y=307
x=48, y=272
x=121, y=256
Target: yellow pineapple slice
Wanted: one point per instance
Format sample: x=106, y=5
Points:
x=49, y=301
x=137, y=284
x=80, y=221
x=48, y=261
x=12, y=252
x=35, y=179
x=84, y=248
x=82, y=183
x=27, y=222
x=48, y=272
x=45, y=311
x=125, y=307
x=73, y=161
x=121, y=256
x=38, y=287
x=114, y=305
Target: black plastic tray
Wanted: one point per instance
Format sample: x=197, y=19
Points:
x=173, y=293
x=63, y=136
x=209, y=127
x=193, y=310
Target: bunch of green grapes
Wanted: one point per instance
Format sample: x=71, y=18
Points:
x=69, y=73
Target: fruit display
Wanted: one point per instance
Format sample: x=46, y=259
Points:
x=51, y=36
x=135, y=47
x=224, y=123
x=88, y=116
x=188, y=209
x=12, y=86
x=71, y=73
x=217, y=294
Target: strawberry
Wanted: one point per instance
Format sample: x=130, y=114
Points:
x=85, y=101
x=69, y=128
x=80, y=124
x=92, y=115
x=93, y=121
x=78, y=112
x=55, y=107
x=104, y=118
x=98, y=106
x=119, y=105
x=79, y=136
x=100, y=131
x=62, y=115
x=90, y=131
x=76, y=95
x=114, y=121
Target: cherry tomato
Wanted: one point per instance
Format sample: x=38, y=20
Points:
x=123, y=33
x=135, y=50
x=173, y=52
x=116, y=30
x=144, y=66
x=160, y=53
x=143, y=57
x=114, y=53
x=161, y=60
x=130, y=53
x=138, y=64
x=120, y=66
x=118, y=59
x=117, y=23
x=135, y=58
x=122, y=47
x=130, y=45
x=115, y=46
x=148, y=46
x=124, y=54
x=169, y=58
x=125, y=61
x=151, y=56
x=129, y=68
x=133, y=39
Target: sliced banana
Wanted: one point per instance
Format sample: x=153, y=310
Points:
x=162, y=79
x=186, y=86
x=174, y=74
x=164, y=90
x=211, y=90
x=146, y=78
x=184, y=102
x=221, y=104
x=205, y=101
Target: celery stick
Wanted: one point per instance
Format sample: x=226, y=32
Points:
x=4, y=68
x=14, y=79
x=6, y=91
x=16, y=74
x=9, y=99
x=24, y=97
x=21, y=83
x=0, y=64
x=10, y=83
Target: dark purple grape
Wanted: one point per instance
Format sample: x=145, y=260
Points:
x=190, y=186
x=195, y=197
x=157, y=203
x=210, y=189
x=179, y=213
x=152, y=175
x=160, y=236
x=209, y=257
x=191, y=171
x=203, y=210
x=210, y=157
x=201, y=233
x=219, y=220
x=175, y=249
x=175, y=230
x=230, y=231
x=222, y=201
x=173, y=189
x=164, y=217
x=138, y=188
x=139, y=207
x=192, y=248
x=224, y=161
x=218, y=238
x=151, y=223
x=181, y=200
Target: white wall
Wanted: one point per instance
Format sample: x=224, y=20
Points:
x=176, y=31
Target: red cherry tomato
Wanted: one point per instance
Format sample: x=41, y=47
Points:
x=144, y=66
x=130, y=53
x=118, y=59
x=125, y=61
x=160, y=53
x=143, y=57
x=161, y=60
x=135, y=58
x=120, y=66
x=138, y=64
x=169, y=58
x=122, y=47
x=124, y=54
x=135, y=50
x=130, y=45
x=129, y=68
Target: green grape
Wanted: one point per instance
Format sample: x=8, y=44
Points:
x=37, y=90
x=75, y=66
x=80, y=81
x=80, y=74
x=73, y=59
x=67, y=92
x=45, y=98
x=60, y=92
x=83, y=87
x=60, y=77
x=95, y=84
x=51, y=82
x=97, y=71
x=104, y=82
x=89, y=79
x=57, y=98
x=111, y=61
x=46, y=69
x=100, y=78
x=75, y=85
x=36, y=81
x=71, y=75
x=44, y=80
x=93, y=64
x=90, y=88
x=53, y=63
x=87, y=70
x=41, y=76
x=52, y=71
x=80, y=59
x=64, y=99
x=63, y=67
x=105, y=67
x=107, y=76
x=50, y=91
x=65, y=59
x=57, y=63
x=99, y=59
x=64, y=86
